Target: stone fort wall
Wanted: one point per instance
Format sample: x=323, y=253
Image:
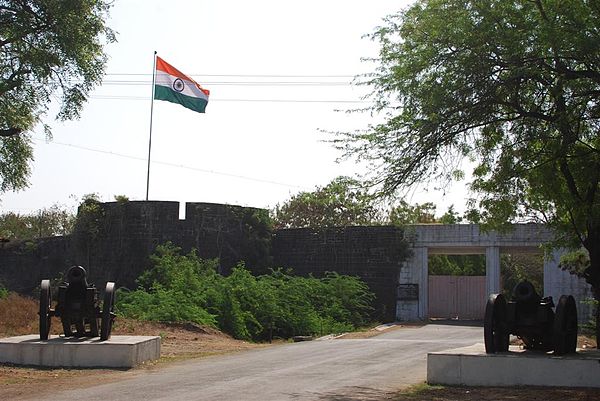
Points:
x=116, y=245
x=373, y=253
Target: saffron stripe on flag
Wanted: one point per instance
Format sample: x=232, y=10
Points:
x=162, y=65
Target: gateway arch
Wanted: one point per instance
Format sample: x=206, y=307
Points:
x=463, y=239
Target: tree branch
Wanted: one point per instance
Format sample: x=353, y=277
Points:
x=10, y=132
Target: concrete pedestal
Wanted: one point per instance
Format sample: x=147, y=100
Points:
x=471, y=366
x=117, y=352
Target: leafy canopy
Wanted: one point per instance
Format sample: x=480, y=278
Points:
x=342, y=202
x=48, y=50
x=512, y=86
x=48, y=222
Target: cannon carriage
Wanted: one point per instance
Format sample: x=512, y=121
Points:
x=78, y=307
x=532, y=319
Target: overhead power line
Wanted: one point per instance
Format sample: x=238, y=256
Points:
x=241, y=75
x=238, y=83
x=214, y=172
x=213, y=99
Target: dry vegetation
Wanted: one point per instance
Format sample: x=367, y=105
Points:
x=18, y=315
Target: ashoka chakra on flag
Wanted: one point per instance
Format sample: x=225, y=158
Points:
x=174, y=86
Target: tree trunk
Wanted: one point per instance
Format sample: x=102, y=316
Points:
x=592, y=275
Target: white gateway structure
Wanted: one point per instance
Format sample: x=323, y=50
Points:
x=414, y=286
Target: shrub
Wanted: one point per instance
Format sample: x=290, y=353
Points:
x=186, y=288
x=3, y=292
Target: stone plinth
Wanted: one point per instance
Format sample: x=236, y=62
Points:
x=117, y=352
x=471, y=366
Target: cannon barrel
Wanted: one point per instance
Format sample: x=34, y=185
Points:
x=77, y=274
x=524, y=292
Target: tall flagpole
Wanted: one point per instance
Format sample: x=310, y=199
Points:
x=150, y=137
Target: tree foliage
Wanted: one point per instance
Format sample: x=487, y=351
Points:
x=47, y=222
x=89, y=218
x=405, y=213
x=48, y=50
x=342, y=202
x=518, y=267
x=511, y=85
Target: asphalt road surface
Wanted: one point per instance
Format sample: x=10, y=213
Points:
x=360, y=369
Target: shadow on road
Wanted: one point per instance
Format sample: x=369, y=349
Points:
x=351, y=394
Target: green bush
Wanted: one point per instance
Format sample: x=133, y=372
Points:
x=3, y=291
x=173, y=290
x=186, y=288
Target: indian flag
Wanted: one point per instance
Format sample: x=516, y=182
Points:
x=174, y=86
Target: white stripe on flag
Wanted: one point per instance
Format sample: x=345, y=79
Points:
x=189, y=88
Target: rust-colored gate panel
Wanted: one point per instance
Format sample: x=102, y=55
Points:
x=457, y=297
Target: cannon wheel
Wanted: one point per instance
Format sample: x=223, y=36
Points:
x=495, y=331
x=45, y=303
x=94, y=327
x=565, y=326
x=107, y=311
x=66, y=323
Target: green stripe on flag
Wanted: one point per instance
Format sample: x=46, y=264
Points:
x=192, y=103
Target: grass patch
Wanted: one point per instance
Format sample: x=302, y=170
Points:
x=418, y=392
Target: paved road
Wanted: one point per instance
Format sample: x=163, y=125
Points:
x=318, y=370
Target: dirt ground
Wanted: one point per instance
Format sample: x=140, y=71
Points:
x=178, y=342
x=424, y=392
x=183, y=341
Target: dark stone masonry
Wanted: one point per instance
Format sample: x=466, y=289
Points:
x=373, y=253
x=114, y=245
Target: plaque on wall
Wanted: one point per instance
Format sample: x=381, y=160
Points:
x=408, y=292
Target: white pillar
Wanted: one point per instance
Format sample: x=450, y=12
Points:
x=492, y=270
x=559, y=282
x=552, y=274
x=421, y=259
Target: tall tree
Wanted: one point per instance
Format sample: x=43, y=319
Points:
x=514, y=85
x=342, y=202
x=48, y=49
x=48, y=222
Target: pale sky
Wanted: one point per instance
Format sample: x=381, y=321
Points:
x=277, y=72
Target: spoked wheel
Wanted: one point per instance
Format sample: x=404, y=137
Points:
x=107, y=311
x=495, y=330
x=45, y=304
x=565, y=326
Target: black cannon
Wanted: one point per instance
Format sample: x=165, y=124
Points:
x=532, y=319
x=78, y=307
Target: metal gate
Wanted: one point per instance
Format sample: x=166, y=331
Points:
x=457, y=297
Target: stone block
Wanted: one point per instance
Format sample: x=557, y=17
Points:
x=471, y=366
x=117, y=352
